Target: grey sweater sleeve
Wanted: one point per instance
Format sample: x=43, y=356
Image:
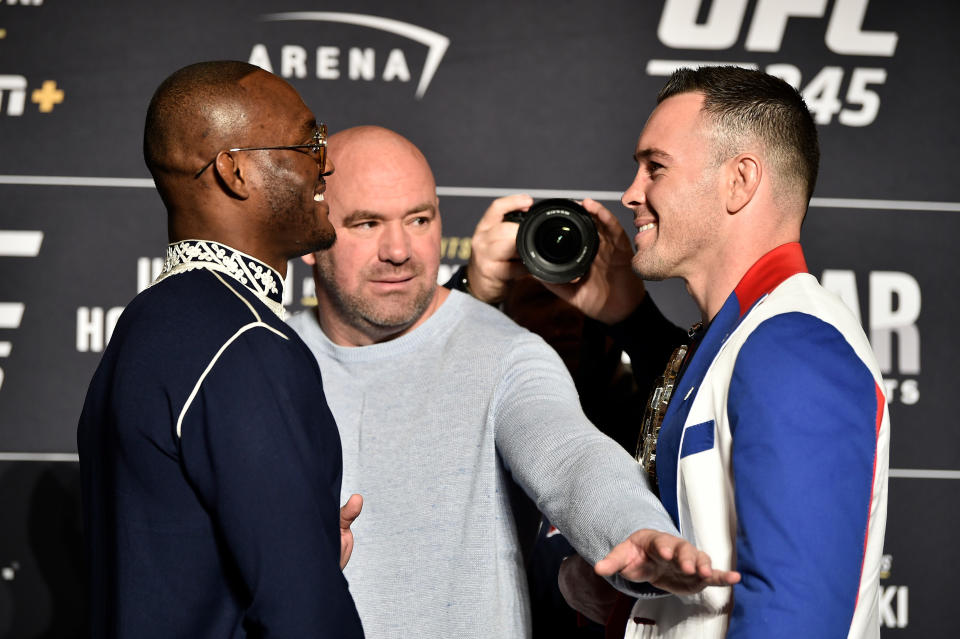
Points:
x=589, y=487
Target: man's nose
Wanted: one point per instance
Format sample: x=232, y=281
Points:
x=394, y=243
x=327, y=167
x=635, y=195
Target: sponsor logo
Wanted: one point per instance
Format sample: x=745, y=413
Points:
x=95, y=324
x=455, y=248
x=894, y=600
x=362, y=63
x=893, y=304
x=683, y=25
x=886, y=566
x=13, y=95
x=13, y=88
x=15, y=244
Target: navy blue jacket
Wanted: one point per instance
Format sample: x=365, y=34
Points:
x=211, y=468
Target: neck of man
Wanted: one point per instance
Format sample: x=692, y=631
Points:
x=710, y=283
x=197, y=226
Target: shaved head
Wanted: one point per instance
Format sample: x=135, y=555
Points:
x=227, y=145
x=373, y=152
x=744, y=108
x=380, y=278
x=197, y=108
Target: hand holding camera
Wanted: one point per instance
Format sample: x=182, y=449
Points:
x=608, y=291
x=557, y=240
x=494, y=262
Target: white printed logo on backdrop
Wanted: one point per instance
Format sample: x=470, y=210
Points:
x=362, y=63
x=15, y=244
x=893, y=304
x=843, y=35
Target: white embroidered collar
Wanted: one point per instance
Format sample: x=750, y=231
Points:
x=262, y=280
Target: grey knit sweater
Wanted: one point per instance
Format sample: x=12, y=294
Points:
x=436, y=425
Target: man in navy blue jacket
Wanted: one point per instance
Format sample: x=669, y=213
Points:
x=211, y=464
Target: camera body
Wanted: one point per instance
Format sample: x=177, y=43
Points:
x=557, y=239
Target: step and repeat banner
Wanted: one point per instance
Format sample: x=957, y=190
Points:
x=502, y=96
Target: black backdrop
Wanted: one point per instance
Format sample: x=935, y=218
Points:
x=536, y=96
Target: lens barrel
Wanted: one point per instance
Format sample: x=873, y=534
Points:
x=557, y=239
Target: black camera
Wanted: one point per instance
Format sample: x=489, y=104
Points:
x=557, y=239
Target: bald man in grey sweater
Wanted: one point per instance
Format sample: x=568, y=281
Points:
x=444, y=405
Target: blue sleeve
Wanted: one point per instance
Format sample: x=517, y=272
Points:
x=262, y=450
x=802, y=409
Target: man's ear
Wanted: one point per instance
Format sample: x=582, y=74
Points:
x=309, y=259
x=743, y=178
x=232, y=173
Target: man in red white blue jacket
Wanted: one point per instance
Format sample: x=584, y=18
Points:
x=773, y=453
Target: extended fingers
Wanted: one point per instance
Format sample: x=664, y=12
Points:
x=622, y=557
x=723, y=578
x=684, y=555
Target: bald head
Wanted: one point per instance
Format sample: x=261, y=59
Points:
x=197, y=108
x=379, y=280
x=373, y=158
x=226, y=143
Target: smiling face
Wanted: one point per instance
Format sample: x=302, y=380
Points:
x=675, y=196
x=289, y=183
x=379, y=280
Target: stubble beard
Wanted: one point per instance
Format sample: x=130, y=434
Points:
x=650, y=265
x=287, y=210
x=692, y=233
x=374, y=317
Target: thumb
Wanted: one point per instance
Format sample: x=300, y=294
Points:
x=350, y=510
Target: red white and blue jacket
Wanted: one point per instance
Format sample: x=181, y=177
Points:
x=773, y=458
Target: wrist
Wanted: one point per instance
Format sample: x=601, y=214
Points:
x=476, y=286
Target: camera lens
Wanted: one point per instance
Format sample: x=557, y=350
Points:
x=557, y=239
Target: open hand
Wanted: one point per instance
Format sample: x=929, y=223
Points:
x=669, y=563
